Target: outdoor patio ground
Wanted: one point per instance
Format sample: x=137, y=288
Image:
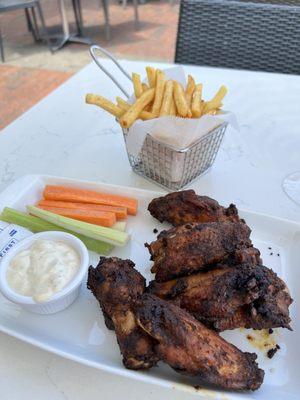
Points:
x=31, y=72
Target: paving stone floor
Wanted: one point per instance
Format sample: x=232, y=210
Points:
x=31, y=71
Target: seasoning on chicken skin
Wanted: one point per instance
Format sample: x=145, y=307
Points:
x=116, y=284
x=192, y=349
x=193, y=247
x=243, y=296
x=186, y=206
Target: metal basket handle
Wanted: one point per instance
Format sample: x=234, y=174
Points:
x=93, y=50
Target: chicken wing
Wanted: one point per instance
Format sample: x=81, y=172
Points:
x=244, y=296
x=116, y=285
x=248, y=255
x=186, y=206
x=192, y=247
x=192, y=349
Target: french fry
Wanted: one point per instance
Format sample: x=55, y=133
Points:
x=104, y=103
x=190, y=90
x=145, y=87
x=144, y=115
x=137, y=84
x=216, y=101
x=211, y=112
x=135, y=109
x=173, y=106
x=122, y=103
x=189, y=93
x=151, y=75
x=196, y=106
x=180, y=101
x=148, y=107
x=167, y=99
x=161, y=97
x=159, y=92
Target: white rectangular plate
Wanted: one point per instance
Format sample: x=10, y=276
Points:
x=79, y=333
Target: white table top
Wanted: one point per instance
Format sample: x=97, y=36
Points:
x=63, y=136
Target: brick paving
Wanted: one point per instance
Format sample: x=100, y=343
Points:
x=155, y=39
x=21, y=88
x=43, y=72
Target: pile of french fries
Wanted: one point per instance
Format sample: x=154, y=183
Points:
x=160, y=97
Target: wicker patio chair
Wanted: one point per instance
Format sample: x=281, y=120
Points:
x=253, y=35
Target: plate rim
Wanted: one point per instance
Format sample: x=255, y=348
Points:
x=137, y=375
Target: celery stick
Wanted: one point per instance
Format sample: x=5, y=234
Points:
x=35, y=224
x=120, y=226
x=97, y=232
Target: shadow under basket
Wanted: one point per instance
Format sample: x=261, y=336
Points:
x=173, y=169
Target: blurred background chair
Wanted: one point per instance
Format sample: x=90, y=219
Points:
x=1, y=48
x=254, y=35
x=78, y=16
x=30, y=7
x=77, y=5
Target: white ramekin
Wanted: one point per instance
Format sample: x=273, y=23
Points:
x=60, y=300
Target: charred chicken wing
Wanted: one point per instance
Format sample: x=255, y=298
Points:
x=116, y=285
x=244, y=296
x=192, y=349
x=192, y=247
x=186, y=206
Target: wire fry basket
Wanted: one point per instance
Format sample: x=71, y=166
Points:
x=172, y=168
x=161, y=163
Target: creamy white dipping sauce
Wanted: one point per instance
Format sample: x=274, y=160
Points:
x=42, y=270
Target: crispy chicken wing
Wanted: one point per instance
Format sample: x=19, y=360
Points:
x=248, y=296
x=189, y=248
x=116, y=285
x=247, y=255
x=186, y=206
x=192, y=349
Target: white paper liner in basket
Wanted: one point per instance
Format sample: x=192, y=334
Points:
x=180, y=133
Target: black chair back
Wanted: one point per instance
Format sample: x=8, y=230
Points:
x=239, y=34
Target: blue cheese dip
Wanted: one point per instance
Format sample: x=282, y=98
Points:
x=43, y=269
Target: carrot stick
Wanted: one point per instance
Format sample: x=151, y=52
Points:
x=121, y=212
x=102, y=218
x=63, y=193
